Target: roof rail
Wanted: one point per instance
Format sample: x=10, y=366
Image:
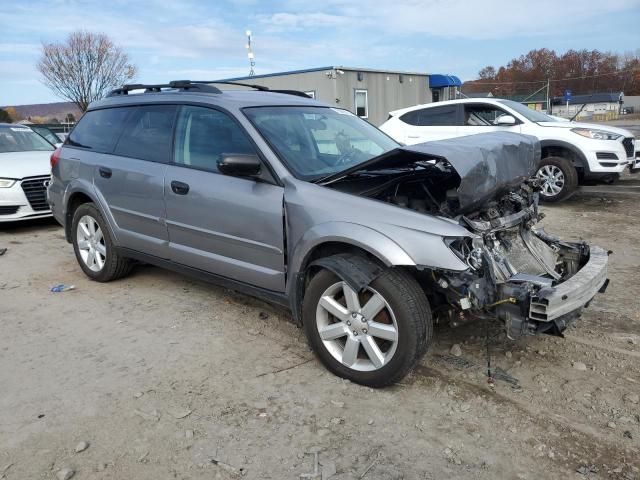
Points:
x=204, y=86
x=185, y=85
x=262, y=88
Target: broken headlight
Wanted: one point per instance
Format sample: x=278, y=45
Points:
x=467, y=249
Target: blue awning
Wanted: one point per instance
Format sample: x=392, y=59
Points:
x=439, y=81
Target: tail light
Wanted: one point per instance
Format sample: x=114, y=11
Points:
x=54, y=157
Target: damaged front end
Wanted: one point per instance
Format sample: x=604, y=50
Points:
x=532, y=281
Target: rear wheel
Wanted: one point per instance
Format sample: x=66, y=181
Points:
x=559, y=179
x=373, y=337
x=94, y=247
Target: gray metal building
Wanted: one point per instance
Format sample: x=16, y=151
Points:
x=368, y=93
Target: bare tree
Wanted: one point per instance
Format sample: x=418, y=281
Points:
x=84, y=67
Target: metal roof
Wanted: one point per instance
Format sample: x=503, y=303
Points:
x=590, y=98
x=321, y=69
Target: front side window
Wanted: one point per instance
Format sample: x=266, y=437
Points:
x=21, y=139
x=148, y=134
x=482, y=115
x=204, y=135
x=315, y=142
x=362, y=104
x=99, y=130
x=432, y=117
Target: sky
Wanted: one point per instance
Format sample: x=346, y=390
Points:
x=205, y=39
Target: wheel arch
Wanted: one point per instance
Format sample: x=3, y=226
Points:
x=75, y=198
x=558, y=148
x=336, y=239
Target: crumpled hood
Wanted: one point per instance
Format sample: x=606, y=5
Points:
x=592, y=126
x=25, y=164
x=487, y=163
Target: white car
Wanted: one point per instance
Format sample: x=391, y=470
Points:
x=571, y=151
x=25, y=172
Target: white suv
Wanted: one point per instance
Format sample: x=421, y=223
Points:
x=571, y=151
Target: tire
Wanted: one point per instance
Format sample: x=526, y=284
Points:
x=560, y=179
x=106, y=264
x=406, y=309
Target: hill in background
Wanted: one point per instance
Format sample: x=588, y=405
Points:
x=46, y=111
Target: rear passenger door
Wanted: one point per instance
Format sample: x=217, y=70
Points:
x=131, y=179
x=431, y=123
x=229, y=226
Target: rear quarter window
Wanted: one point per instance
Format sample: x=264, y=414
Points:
x=99, y=130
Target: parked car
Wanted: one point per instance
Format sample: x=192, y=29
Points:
x=634, y=166
x=47, y=134
x=309, y=206
x=24, y=173
x=571, y=151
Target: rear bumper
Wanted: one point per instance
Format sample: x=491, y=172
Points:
x=551, y=303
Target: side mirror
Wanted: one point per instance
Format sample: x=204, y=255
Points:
x=505, y=120
x=240, y=165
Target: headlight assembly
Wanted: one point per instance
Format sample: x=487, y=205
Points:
x=467, y=249
x=596, y=134
x=7, y=182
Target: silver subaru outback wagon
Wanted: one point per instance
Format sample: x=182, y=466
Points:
x=369, y=243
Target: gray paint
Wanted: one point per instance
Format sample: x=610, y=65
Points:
x=385, y=91
x=262, y=234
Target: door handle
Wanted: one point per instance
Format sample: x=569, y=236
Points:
x=179, y=188
x=105, y=172
x=413, y=136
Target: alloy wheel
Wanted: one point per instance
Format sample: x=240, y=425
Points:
x=358, y=329
x=552, y=180
x=91, y=243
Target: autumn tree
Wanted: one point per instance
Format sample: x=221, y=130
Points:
x=582, y=71
x=4, y=116
x=13, y=115
x=84, y=68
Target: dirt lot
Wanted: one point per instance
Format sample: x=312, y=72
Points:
x=166, y=377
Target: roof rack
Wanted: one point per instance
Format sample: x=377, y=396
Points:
x=204, y=86
x=185, y=85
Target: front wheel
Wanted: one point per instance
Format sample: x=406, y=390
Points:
x=373, y=337
x=559, y=179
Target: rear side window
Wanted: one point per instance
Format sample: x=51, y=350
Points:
x=436, y=117
x=99, y=129
x=203, y=135
x=148, y=133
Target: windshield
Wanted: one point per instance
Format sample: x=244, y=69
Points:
x=316, y=142
x=47, y=134
x=527, y=112
x=22, y=139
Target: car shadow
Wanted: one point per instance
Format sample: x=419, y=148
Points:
x=28, y=226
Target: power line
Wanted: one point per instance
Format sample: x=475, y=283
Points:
x=556, y=79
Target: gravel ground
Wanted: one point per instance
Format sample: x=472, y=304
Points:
x=166, y=377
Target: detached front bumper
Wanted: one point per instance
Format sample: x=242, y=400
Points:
x=550, y=309
x=552, y=303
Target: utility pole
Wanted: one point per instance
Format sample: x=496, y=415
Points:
x=548, y=96
x=252, y=60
